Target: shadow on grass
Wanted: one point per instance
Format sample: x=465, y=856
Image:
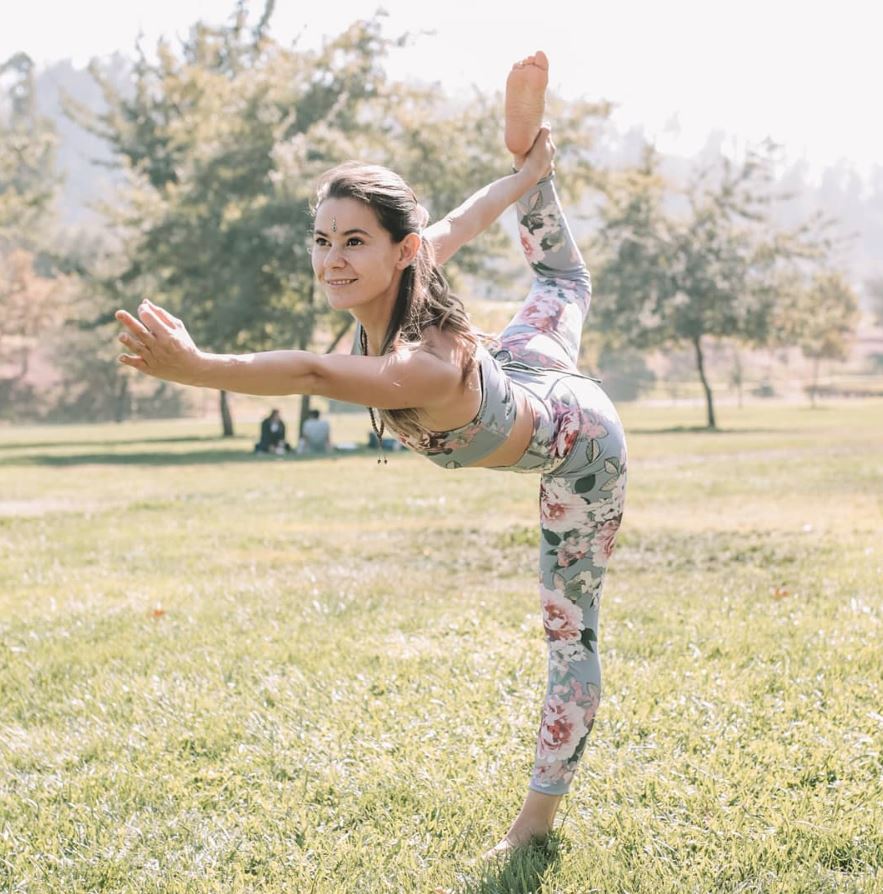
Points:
x=523, y=872
x=699, y=430
x=105, y=442
x=190, y=458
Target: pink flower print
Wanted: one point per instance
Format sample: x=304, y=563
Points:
x=531, y=245
x=564, y=724
x=586, y=695
x=593, y=426
x=562, y=618
x=572, y=548
x=553, y=773
x=602, y=543
x=568, y=431
x=560, y=509
x=541, y=312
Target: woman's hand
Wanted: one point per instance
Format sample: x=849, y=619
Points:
x=161, y=346
x=539, y=161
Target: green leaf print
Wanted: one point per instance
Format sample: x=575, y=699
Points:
x=584, y=485
x=545, y=270
x=573, y=591
x=593, y=450
x=588, y=638
x=552, y=537
x=612, y=466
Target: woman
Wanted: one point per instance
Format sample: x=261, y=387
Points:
x=522, y=407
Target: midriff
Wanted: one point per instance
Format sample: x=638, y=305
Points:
x=512, y=450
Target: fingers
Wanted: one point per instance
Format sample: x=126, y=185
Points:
x=133, y=361
x=133, y=344
x=162, y=313
x=136, y=327
x=152, y=320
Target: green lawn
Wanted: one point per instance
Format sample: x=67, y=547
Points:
x=222, y=673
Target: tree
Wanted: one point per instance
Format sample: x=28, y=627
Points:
x=29, y=294
x=874, y=289
x=27, y=149
x=223, y=143
x=820, y=318
x=681, y=265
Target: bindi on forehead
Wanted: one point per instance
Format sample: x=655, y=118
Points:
x=343, y=215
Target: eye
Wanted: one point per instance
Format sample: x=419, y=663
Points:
x=321, y=240
x=354, y=240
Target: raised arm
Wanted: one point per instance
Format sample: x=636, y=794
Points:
x=481, y=209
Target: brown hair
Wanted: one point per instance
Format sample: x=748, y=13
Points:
x=424, y=297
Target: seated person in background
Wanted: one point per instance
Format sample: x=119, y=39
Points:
x=272, y=435
x=316, y=434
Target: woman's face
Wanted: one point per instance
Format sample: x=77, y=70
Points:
x=354, y=257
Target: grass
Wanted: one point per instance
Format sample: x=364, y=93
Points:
x=222, y=673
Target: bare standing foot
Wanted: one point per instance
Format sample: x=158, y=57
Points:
x=525, y=102
x=531, y=826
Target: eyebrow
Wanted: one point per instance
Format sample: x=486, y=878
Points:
x=345, y=233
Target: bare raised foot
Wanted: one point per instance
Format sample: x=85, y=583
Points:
x=525, y=102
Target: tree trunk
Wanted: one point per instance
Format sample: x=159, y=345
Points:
x=226, y=417
x=700, y=366
x=122, y=404
x=305, y=398
x=815, y=381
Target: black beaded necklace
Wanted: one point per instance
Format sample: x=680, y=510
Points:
x=378, y=429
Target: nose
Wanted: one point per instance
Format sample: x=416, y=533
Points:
x=334, y=257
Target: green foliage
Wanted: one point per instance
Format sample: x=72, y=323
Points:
x=27, y=151
x=223, y=143
x=680, y=264
x=874, y=288
x=819, y=317
x=30, y=296
x=624, y=373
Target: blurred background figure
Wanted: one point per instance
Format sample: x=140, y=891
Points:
x=272, y=435
x=316, y=435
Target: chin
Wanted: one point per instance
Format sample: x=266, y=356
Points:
x=341, y=302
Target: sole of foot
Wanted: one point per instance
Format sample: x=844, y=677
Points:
x=525, y=101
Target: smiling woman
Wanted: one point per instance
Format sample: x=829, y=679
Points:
x=519, y=404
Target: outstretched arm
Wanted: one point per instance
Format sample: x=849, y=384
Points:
x=162, y=347
x=482, y=208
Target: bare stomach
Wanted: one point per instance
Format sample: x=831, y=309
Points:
x=522, y=430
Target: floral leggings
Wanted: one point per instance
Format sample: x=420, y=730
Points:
x=579, y=448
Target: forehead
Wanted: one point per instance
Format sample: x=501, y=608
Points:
x=348, y=214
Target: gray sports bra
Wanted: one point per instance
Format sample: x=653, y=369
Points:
x=478, y=438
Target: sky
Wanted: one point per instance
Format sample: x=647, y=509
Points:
x=803, y=74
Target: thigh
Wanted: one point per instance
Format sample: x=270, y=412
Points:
x=547, y=328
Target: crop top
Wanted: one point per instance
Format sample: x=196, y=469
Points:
x=488, y=430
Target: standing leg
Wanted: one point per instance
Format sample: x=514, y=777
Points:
x=581, y=505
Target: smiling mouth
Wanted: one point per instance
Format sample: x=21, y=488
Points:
x=338, y=282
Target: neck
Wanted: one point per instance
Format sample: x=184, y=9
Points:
x=374, y=318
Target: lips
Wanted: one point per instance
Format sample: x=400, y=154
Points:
x=338, y=282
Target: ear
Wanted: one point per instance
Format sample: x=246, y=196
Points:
x=408, y=249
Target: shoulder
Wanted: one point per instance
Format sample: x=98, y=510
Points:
x=448, y=347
